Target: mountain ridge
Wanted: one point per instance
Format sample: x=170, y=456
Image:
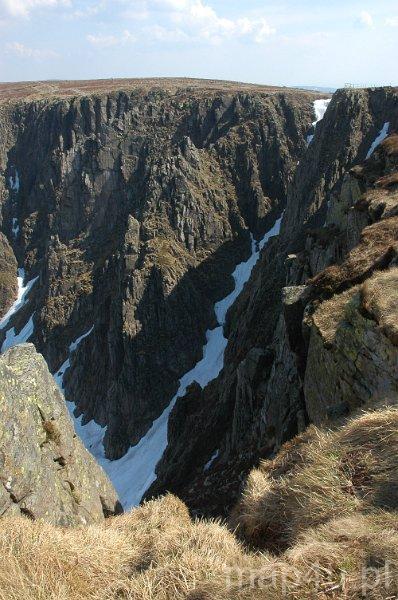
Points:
x=134, y=209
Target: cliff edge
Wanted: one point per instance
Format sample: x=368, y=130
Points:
x=45, y=472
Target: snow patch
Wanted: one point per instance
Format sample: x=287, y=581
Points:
x=211, y=461
x=15, y=227
x=320, y=107
x=135, y=472
x=75, y=344
x=59, y=376
x=13, y=338
x=379, y=139
x=14, y=182
x=23, y=292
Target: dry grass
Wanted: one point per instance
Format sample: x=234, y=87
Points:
x=344, y=472
x=387, y=181
x=331, y=313
x=380, y=299
x=380, y=203
x=328, y=499
x=195, y=561
x=26, y=90
x=377, y=247
x=154, y=552
x=351, y=558
x=390, y=145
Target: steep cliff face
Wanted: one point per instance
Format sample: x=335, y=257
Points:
x=293, y=355
x=45, y=472
x=134, y=207
x=352, y=338
x=8, y=275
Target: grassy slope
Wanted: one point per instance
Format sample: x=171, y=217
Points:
x=323, y=514
x=33, y=90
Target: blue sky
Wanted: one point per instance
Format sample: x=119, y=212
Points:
x=287, y=42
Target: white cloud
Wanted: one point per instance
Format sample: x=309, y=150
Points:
x=366, y=19
x=311, y=40
x=23, y=51
x=105, y=41
x=392, y=21
x=22, y=8
x=194, y=19
x=135, y=15
x=134, y=10
x=102, y=40
x=89, y=11
x=162, y=34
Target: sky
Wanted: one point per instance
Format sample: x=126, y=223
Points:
x=279, y=42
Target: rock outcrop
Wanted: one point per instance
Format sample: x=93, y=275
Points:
x=282, y=369
x=8, y=275
x=45, y=472
x=134, y=207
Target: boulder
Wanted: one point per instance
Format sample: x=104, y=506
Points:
x=45, y=471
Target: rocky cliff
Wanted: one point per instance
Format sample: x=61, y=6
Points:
x=308, y=338
x=45, y=471
x=134, y=206
x=8, y=275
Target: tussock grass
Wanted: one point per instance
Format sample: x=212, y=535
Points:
x=349, y=558
x=376, y=249
x=380, y=299
x=331, y=313
x=387, y=181
x=154, y=552
x=327, y=503
x=345, y=472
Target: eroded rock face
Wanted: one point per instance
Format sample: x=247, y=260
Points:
x=352, y=364
x=135, y=207
x=8, y=275
x=45, y=472
x=339, y=229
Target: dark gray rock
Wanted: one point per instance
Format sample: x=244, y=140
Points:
x=8, y=275
x=135, y=206
x=274, y=312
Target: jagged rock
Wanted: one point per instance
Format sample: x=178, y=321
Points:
x=8, y=275
x=295, y=300
x=331, y=239
x=351, y=362
x=135, y=207
x=141, y=202
x=45, y=472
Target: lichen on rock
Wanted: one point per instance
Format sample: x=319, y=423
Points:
x=45, y=472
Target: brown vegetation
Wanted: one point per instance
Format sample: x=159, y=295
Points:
x=387, y=181
x=379, y=204
x=380, y=299
x=376, y=249
x=32, y=90
x=8, y=275
x=327, y=502
x=351, y=470
x=8, y=291
x=390, y=145
x=330, y=315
